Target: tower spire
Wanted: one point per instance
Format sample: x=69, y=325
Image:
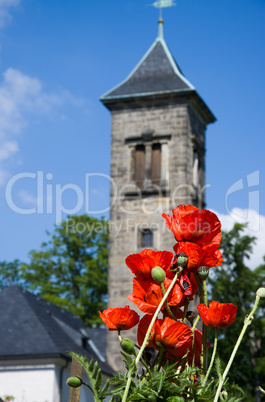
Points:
x=160, y=27
x=162, y=4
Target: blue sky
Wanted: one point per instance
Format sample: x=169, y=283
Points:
x=58, y=57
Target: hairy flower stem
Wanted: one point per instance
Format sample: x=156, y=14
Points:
x=171, y=315
x=205, y=294
x=161, y=353
x=185, y=309
x=146, y=366
x=196, y=322
x=213, y=357
x=147, y=335
x=204, y=331
x=247, y=322
x=201, y=295
x=203, y=299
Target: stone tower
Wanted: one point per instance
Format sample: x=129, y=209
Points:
x=157, y=162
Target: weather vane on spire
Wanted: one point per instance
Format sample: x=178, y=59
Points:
x=162, y=4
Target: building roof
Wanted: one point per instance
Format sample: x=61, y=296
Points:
x=157, y=74
x=32, y=327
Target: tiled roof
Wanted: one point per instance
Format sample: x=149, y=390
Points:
x=157, y=72
x=33, y=327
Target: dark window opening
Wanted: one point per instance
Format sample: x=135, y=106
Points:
x=156, y=164
x=139, y=165
x=147, y=238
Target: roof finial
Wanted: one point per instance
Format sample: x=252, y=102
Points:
x=160, y=27
x=162, y=4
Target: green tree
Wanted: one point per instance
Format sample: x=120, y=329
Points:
x=70, y=270
x=10, y=273
x=235, y=283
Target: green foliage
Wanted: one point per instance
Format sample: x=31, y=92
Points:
x=69, y=270
x=10, y=274
x=95, y=377
x=235, y=283
x=157, y=384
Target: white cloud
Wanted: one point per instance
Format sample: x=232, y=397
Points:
x=21, y=97
x=5, y=7
x=7, y=149
x=256, y=227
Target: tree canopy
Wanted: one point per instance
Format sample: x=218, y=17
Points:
x=70, y=269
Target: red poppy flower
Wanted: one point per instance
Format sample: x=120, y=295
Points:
x=217, y=315
x=119, y=318
x=211, y=256
x=208, y=255
x=147, y=295
x=174, y=336
x=142, y=264
x=190, y=223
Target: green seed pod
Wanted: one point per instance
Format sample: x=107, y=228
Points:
x=74, y=382
x=203, y=272
x=261, y=293
x=158, y=274
x=127, y=346
x=182, y=260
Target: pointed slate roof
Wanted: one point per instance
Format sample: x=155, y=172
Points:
x=157, y=75
x=33, y=327
x=157, y=72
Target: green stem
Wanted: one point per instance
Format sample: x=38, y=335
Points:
x=146, y=366
x=212, y=359
x=185, y=309
x=161, y=352
x=126, y=391
x=171, y=315
x=196, y=322
x=205, y=293
x=193, y=338
x=148, y=332
x=201, y=295
x=204, y=332
x=247, y=322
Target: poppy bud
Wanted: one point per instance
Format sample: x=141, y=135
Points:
x=158, y=274
x=203, y=272
x=261, y=293
x=190, y=316
x=74, y=382
x=182, y=259
x=127, y=346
